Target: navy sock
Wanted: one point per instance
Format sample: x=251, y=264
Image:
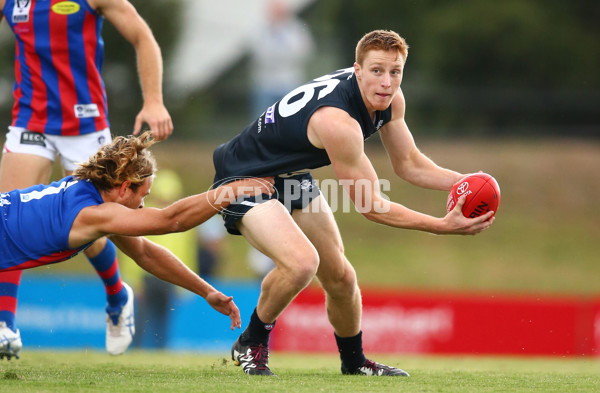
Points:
x=257, y=331
x=351, y=351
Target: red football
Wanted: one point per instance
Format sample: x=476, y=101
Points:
x=482, y=191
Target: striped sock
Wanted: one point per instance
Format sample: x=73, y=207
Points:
x=9, y=287
x=107, y=266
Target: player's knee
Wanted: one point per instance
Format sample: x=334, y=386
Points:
x=348, y=282
x=304, y=269
x=96, y=247
x=342, y=284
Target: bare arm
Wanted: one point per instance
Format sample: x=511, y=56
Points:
x=112, y=218
x=162, y=263
x=335, y=131
x=134, y=29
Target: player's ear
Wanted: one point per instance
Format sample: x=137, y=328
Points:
x=124, y=187
x=357, y=70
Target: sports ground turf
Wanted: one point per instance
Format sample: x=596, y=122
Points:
x=136, y=371
x=545, y=241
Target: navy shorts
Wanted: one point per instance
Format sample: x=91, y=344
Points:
x=294, y=192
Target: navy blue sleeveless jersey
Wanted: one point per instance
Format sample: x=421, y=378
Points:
x=35, y=222
x=277, y=142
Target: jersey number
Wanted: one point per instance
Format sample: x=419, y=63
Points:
x=287, y=109
x=33, y=195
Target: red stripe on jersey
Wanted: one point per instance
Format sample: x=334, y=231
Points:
x=47, y=260
x=17, y=93
x=59, y=47
x=97, y=93
x=39, y=99
x=13, y=277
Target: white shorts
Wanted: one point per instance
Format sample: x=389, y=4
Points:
x=73, y=150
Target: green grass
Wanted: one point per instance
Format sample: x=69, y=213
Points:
x=156, y=372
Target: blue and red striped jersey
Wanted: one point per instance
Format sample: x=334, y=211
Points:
x=58, y=63
x=35, y=222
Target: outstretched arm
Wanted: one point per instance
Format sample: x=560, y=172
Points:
x=113, y=218
x=162, y=263
x=134, y=29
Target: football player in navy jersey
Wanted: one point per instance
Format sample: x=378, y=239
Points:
x=60, y=108
x=326, y=121
x=105, y=197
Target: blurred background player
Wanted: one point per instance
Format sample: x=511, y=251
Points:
x=60, y=108
x=278, y=56
x=211, y=241
x=154, y=296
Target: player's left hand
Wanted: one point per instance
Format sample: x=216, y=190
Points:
x=158, y=118
x=225, y=305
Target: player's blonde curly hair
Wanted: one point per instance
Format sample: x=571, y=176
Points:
x=380, y=40
x=126, y=158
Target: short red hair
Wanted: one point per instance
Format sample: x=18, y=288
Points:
x=386, y=40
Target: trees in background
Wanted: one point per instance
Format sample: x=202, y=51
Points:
x=475, y=66
x=485, y=66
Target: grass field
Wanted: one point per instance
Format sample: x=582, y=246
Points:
x=168, y=372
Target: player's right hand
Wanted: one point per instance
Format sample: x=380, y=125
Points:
x=225, y=305
x=158, y=119
x=460, y=225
